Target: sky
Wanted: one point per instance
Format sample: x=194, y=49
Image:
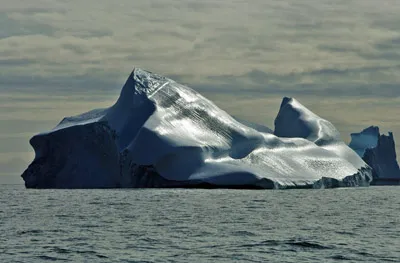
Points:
x=58, y=58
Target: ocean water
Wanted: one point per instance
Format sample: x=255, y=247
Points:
x=178, y=225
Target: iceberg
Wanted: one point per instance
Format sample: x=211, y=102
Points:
x=160, y=133
x=379, y=152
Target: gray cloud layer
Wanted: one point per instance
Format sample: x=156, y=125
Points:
x=311, y=40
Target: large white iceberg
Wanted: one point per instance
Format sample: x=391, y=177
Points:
x=379, y=152
x=163, y=134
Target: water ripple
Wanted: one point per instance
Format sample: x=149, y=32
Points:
x=178, y=225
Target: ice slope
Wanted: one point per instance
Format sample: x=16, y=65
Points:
x=379, y=152
x=163, y=134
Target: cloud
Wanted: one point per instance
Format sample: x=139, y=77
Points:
x=393, y=43
x=14, y=145
x=11, y=170
x=62, y=84
x=321, y=82
x=15, y=62
x=14, y=165
x=16, y=127
x=197, y=40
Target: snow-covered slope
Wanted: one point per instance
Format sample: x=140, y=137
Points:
x=378, y=151
x=163, y=134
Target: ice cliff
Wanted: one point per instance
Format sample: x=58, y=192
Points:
x=378, y=151
x=163, y=134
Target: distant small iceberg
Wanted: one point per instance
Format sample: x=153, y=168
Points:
x=379, y=152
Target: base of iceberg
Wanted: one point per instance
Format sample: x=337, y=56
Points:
x=163, y=134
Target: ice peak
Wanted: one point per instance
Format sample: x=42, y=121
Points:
x=371, y=130
x=285, y=101
x=142, y=82
x=295, y=120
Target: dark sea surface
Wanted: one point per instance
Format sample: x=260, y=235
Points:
x=156, y=225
